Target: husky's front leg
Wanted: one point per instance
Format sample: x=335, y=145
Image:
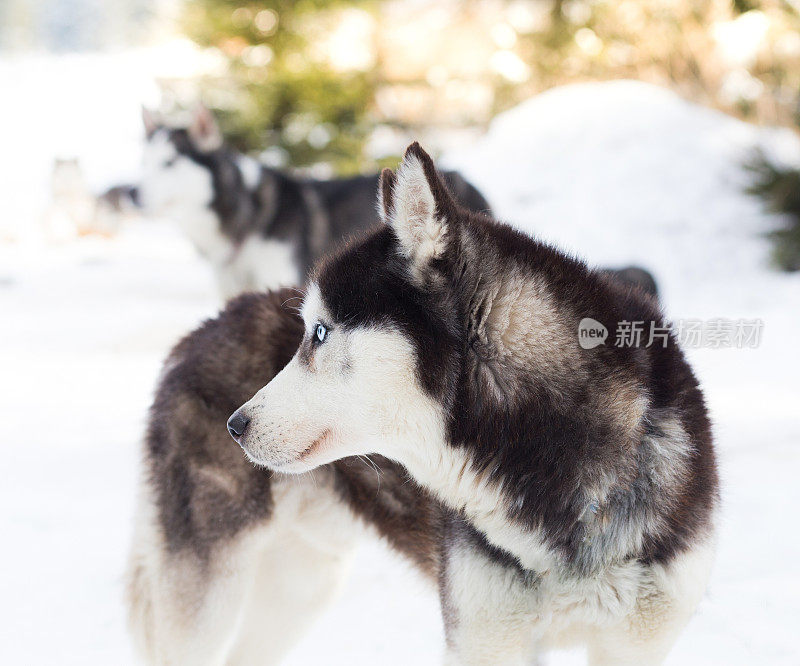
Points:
x=295, y=581
x=489, y=604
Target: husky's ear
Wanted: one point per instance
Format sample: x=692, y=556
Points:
x=418, y=207
x=149, y=121
x=204, y=130
x=386, y=195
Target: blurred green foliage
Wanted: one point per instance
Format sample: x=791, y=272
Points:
x=779, y=187
x=274, y=94
x=459, y=63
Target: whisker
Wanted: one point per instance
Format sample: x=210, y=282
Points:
x=292, y=298
x=369, y=461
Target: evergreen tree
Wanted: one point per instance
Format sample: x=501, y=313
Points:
x=275, y=93
x=779, y=187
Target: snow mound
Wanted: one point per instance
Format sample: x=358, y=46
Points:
x=626, y=172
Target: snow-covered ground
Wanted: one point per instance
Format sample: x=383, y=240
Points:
x=617, y=172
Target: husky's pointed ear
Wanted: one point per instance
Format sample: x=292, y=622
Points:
x=204, y=131
x=420, y=206
x=386, y=195
x=149, y=121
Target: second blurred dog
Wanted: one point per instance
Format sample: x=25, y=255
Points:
x=259, y=227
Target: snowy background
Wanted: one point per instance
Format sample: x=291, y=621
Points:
x=618, y=172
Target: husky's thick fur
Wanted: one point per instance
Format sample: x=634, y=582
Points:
x=581, y=483
x=259, y=227
x=561, y=495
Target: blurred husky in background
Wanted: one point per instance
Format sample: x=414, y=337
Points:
x=71, y=212
x=74, y=210
x=72, y=204
x=260, y=228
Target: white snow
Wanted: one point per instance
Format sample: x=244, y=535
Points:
x=619, y=172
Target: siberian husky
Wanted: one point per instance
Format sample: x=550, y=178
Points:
x=259, y=227
x=582, y=482
x=558, y=495
x=76, y=211
x=72, y=209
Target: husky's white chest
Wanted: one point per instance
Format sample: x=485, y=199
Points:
x=256, y=265
x=202, y=228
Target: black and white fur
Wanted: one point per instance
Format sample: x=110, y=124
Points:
x=260, y=228
x=579, y=485
x=559, y=495
x=231, y=563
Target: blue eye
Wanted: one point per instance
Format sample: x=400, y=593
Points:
x=321, y=332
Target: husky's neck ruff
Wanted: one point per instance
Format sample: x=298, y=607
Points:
x=453, y=348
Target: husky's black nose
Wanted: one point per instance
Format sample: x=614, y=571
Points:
x=237, y=424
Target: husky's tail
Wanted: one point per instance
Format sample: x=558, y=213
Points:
x=139, y=587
